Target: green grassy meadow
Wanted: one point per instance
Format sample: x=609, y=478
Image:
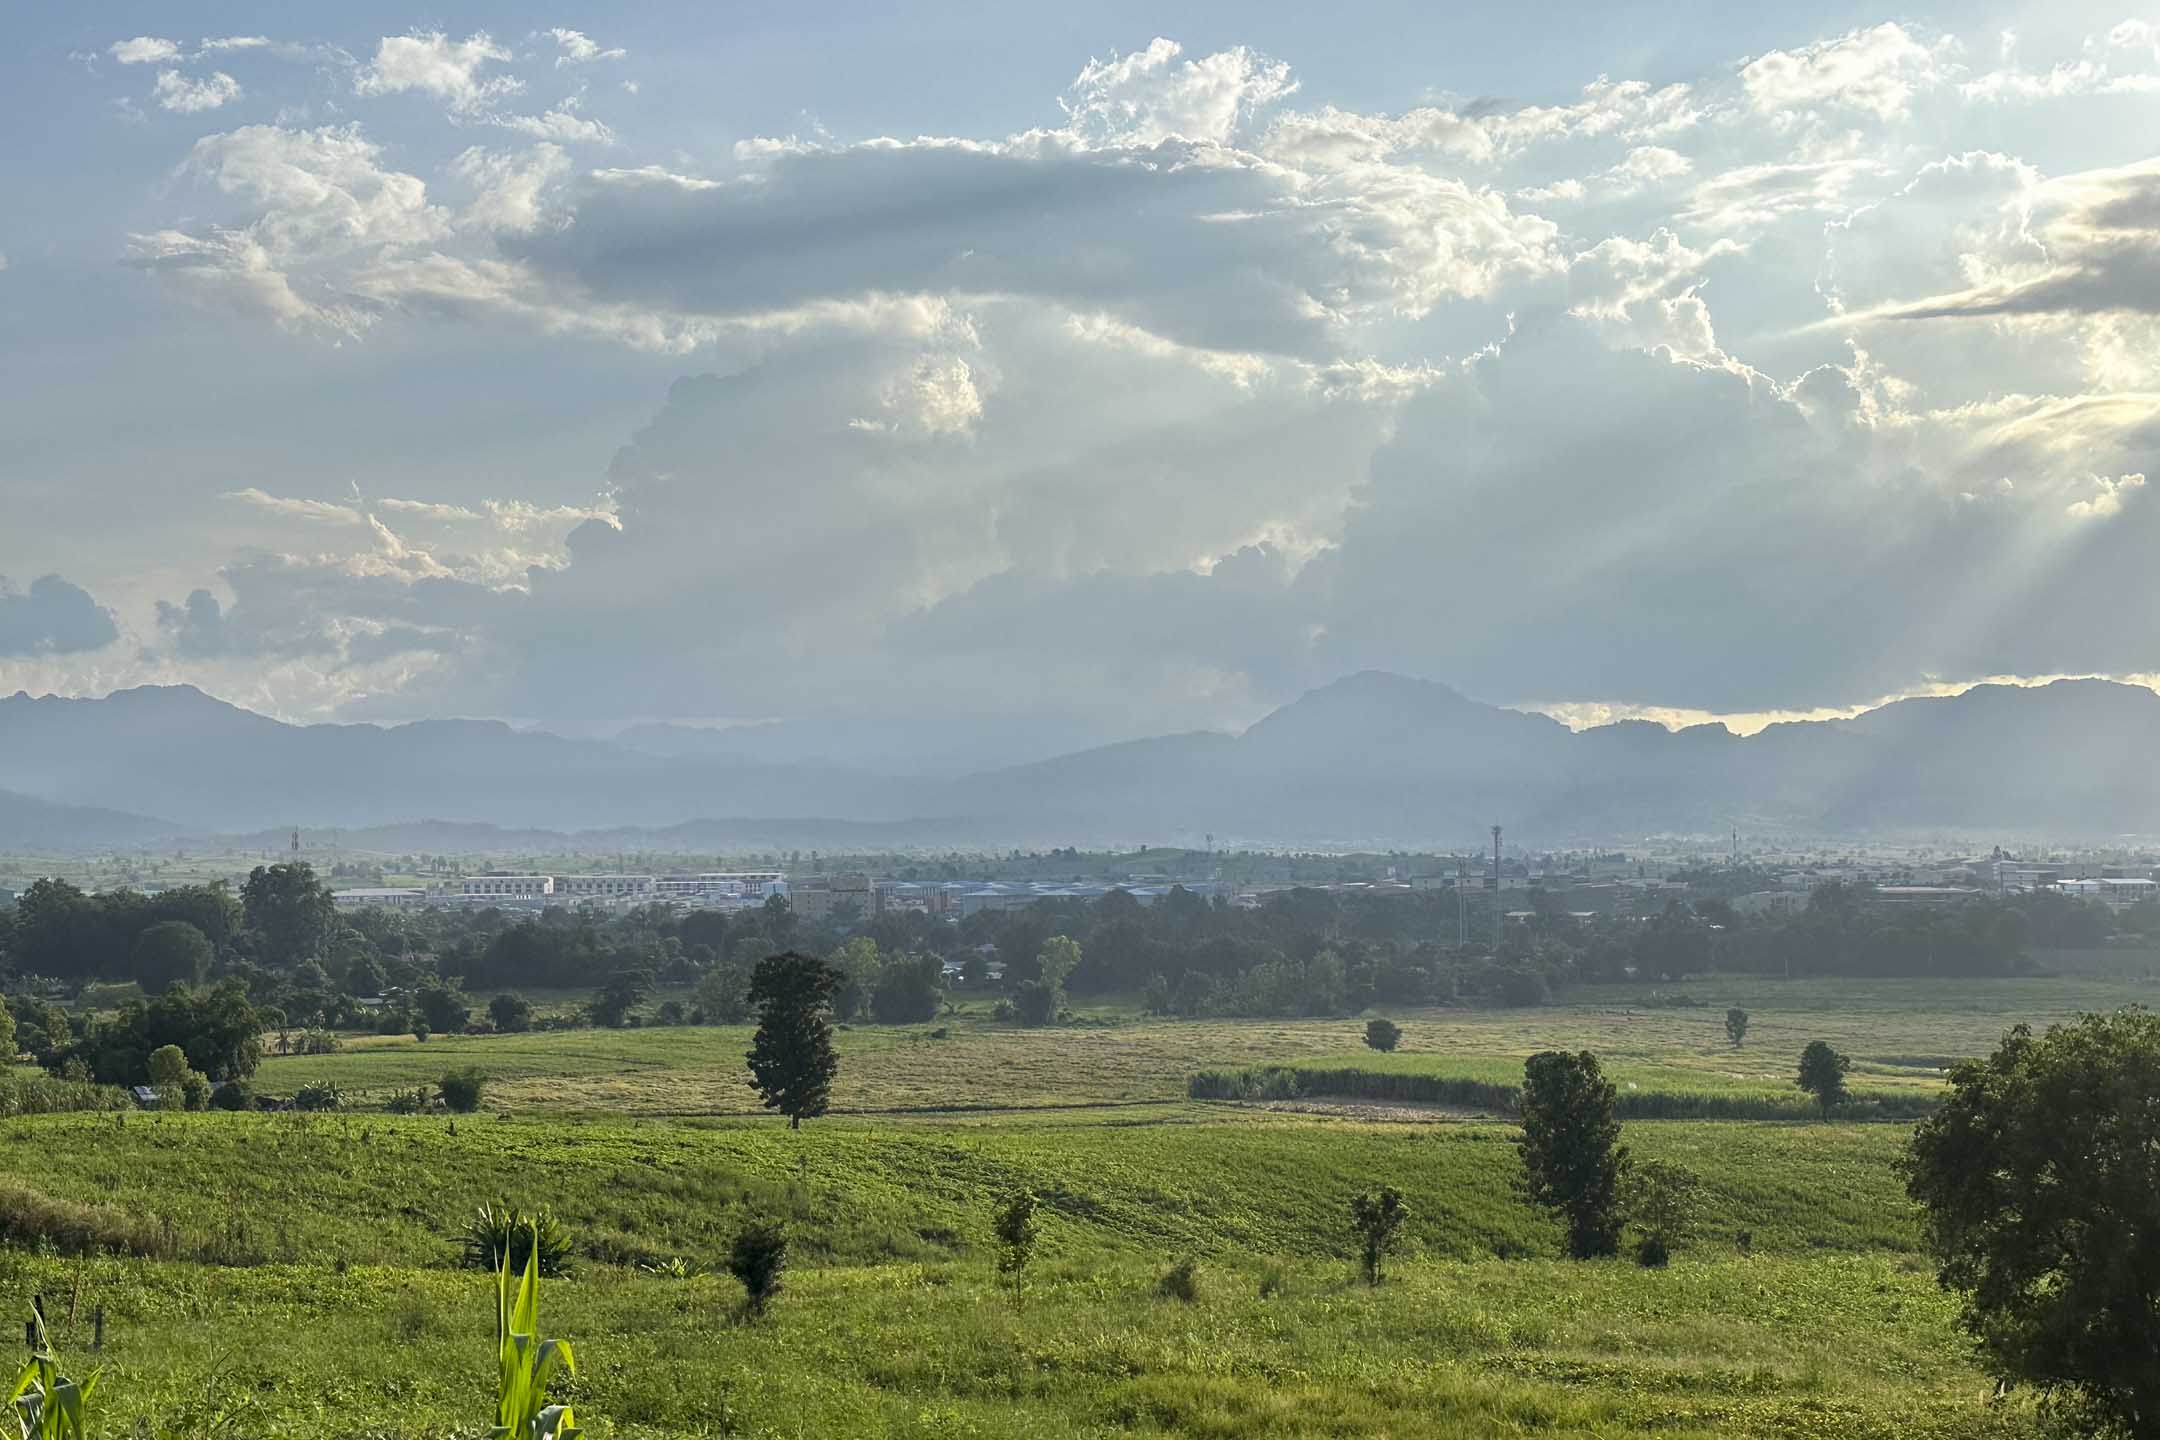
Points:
x=293, y=1275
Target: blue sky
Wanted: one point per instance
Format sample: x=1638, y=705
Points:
x=1056, y=376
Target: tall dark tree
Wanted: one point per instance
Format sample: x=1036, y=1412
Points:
x=288, y=909
x=792, y=1061
x=1822, y=1074
x=624, y=991
x=1736, y=1023
x=2036, y=1183
x=1571, y=1151
x=168, y=953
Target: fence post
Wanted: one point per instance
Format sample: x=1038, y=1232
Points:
x=97, y=1321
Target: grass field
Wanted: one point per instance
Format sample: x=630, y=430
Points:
x=314, y=1292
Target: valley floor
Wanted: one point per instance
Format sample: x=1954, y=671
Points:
x=293, y=1275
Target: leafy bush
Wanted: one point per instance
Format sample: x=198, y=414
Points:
x=1383, y=1034
x=462, y=1090
x=757, y=1258
x=1663, y=1201
x=233, y=1095
x=322, y=1095
x=500, y=1229
x=1181, y=1281
x=415, y=1101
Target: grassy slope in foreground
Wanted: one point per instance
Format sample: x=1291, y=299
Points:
x=371, y=1188
x=1847, y=1346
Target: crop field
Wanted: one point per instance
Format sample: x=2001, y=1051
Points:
x=295, y=1275
x=1899, y=1033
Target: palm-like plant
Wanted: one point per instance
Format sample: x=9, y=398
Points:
x=528, y=1363
x=48, y=1405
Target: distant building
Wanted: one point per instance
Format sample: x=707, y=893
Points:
x=2117, y=892
x=388, y=899
x=1924, y=894
x=570, y=889
x=817, y=898
x=507, y=887
x=1770, y=902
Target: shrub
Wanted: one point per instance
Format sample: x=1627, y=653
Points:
x=1274, y=1281
x=1663, y=1201
x=462, y=1090
x=1181, y=1281
x=1382, y=1034
x=322, y=1095
x=415, y=1101
x=1736, y=1023
x=757, y=1258
x=194, y=1091
x=510, y=1012
x=502, y=1228
x=233, y=1095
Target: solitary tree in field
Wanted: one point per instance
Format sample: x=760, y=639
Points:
x=1571, y=1151
x=1378, y=1218
x=2035, y=1180
x=1017, y=1230
x=792, y=1063
x=1039, y=1000
x=1736, y=1026
x=1382, y=1034
x=1822, y=1074
x=1663, y=1201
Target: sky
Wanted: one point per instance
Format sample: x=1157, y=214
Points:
x=957, y=388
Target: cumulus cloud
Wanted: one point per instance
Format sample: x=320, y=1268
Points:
x=2096, y=249
x=187, y=94
x=144, y=50
x=1212, y=389
x=1156, y=94
x=1875, y=71
x=52, y=617
x=431, y=63
x=579, y=49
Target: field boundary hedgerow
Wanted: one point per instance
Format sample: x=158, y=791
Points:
x=1307, y=1082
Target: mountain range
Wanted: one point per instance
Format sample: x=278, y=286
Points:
x=1373, y=758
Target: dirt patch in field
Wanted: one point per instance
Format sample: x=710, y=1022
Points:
x=1400, y=1111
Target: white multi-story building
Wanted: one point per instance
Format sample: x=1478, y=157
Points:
x=395, y=899
x=507, y=887
x=722, y=888
x=573, y=888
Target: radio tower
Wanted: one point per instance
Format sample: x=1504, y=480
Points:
x=1499, y=913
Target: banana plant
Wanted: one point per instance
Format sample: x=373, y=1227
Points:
x=527, y=1362
x=48, y=1405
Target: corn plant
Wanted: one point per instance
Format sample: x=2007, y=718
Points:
x=48, y=1405
x=527, y=1362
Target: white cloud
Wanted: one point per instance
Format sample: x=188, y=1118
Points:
x=181, y=93
x=511, y=189
x=561, y=123
x=1155, y=94
x=1877, y=71
x=578, y=49
x=433, y=64
x=144, y=50
x=2108, y=496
